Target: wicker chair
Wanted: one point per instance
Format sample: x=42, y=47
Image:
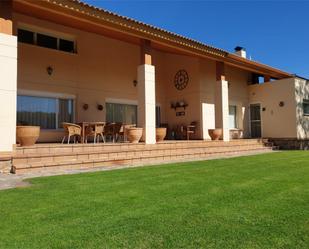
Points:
x=190, y=129
x=113, y=130
x=185, y=131
x=95, y=131
x=71, y=130
x=124, y=130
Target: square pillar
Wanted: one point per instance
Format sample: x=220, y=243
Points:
x=208, y=119
x=147, y=102
x=8, y=91
x=222, y=108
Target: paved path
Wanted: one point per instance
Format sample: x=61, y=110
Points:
x=8, y=181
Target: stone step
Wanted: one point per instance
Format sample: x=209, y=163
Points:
x=85, y=149
x=133, y=158
x=79, y=148
x=88, y=164
x=127, y=153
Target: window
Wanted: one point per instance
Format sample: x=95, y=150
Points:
x=306, y=106
x=46, y=41
x=48, y=113
x=233, y=116
x=66, y=46
x=257, y=79
x=25, y=36
x=123, y=113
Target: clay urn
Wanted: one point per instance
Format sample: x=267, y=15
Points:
x=215, y=134
x=134, y=134
x=27, y=135
x=160, y=134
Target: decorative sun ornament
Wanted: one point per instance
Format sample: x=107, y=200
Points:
x=181, y=79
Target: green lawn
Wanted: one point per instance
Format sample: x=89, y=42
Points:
x=248, y=202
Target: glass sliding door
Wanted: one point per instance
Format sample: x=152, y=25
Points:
x=255, y=120
x=122, y=113
x=36, y=111
x=48, y=113
x=66, y=111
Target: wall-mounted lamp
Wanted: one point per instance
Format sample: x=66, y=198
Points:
x=49, y=70
x=100, y=107
x=281, y=103
x=85, y=106
x=134, y=83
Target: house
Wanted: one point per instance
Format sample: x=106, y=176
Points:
x=62, y=59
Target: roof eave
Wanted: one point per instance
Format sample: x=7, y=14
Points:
x=144, y=31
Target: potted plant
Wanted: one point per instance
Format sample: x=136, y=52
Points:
x=215, y=134
x=27, y=135
x=160, y=134
x=134, y=134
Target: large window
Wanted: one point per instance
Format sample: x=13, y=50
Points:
x=48, y=113
x=46, y=41
x=232, y=116
x=123, y=113
x=306, y=106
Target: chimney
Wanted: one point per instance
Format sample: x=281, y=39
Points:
x=240, y=51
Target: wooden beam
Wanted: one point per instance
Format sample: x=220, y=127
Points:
x=266, y=78
x=146, y=52
x=220, y=71
x=256, y=67
x=6, y=15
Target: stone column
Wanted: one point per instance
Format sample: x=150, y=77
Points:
x=8, y=79
x=147, y=102
x=222, y=108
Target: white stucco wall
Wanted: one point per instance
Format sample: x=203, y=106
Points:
x=277, y=121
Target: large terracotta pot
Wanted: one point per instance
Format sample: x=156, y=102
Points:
x=215, y=134
x=27, y=135
x=134, y=134
x=160, y=134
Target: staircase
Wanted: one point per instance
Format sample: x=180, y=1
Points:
x=85, y=156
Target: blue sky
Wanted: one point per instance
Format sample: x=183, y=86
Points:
x=273, y=32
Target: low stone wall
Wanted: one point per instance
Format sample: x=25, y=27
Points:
x=290, y=143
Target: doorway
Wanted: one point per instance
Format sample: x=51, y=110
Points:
x=255, y=120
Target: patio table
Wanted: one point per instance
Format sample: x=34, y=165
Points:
x=84, y=125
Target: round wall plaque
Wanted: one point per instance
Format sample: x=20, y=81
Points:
x=181, y=79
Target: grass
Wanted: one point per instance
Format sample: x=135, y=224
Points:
x=248, y=202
